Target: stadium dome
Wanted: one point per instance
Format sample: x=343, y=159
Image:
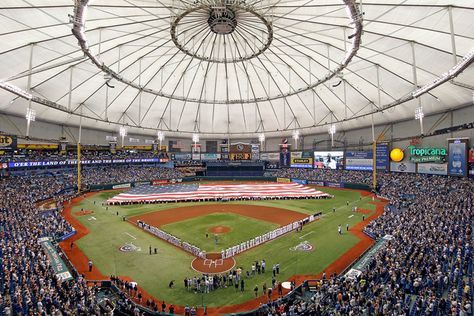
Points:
x=235, y=67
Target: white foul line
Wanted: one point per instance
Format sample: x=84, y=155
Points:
x=130, y=235
x=301, y=237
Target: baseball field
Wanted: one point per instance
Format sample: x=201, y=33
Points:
x=118, y=247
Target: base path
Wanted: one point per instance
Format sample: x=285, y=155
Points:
x=274, y=215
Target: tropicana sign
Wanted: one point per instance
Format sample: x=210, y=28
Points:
x=427, y=154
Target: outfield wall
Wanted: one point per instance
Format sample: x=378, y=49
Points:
x=126, y=185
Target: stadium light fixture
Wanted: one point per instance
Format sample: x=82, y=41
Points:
x=261, y=138
x=332, y=131
x=419, y=115
x=160, y=135
x=123, y=133
x=296, y=136
x=195, y=138
x=30, y=115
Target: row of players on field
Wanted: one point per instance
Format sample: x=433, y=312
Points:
x=231, y=251
x=234, y=250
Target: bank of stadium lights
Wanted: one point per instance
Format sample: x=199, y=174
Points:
x=261, y=138
x=419, y=115
x=160, y=135
x=296, y=136
x=123, y=133
x=332, y=131
x=30, y=117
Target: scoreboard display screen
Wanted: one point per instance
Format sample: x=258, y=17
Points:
x=240, y=156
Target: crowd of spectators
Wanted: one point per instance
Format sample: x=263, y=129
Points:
x=329, y=175
x=125, y=173
x=28, y=286
x=424, y=269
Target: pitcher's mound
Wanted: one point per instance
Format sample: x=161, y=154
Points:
x=212, y=264
x=219, y=229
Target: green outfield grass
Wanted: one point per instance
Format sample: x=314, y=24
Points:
x=153, y=272
x=242, y=228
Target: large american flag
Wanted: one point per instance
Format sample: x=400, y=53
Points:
x=185, y=192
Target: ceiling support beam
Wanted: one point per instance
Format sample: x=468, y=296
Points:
x=453, y=36
x=69, y=99
x=28, y=88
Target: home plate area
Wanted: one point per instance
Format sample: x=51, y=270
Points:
x=212, y=264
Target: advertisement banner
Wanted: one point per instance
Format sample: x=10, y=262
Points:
x=318, y=183
x=272, y=156
x=122, y=186
x=433, y=168
x=285, y=157
x=67, y=235
x=3, y=165
x=255, y=151
x=73, y=162
x=240, y=156
x=37, y=146
x=328, y=159
x=296, y=154
x=471, y=155
x=382, y=157
x=272, y=165
x=457, y=157
x=301, y=162
x=283, y=180
x=159, y=182
x=181, y=156
x=210, y=156
x=334, y=184
x=56, y=263
x=304, y=182
x=406, y=166
x=8, y=142
x=427, y=154
x=359, y=160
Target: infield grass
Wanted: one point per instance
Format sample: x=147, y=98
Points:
x=196, y=230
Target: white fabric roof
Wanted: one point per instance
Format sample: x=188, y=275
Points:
x=266, y=93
